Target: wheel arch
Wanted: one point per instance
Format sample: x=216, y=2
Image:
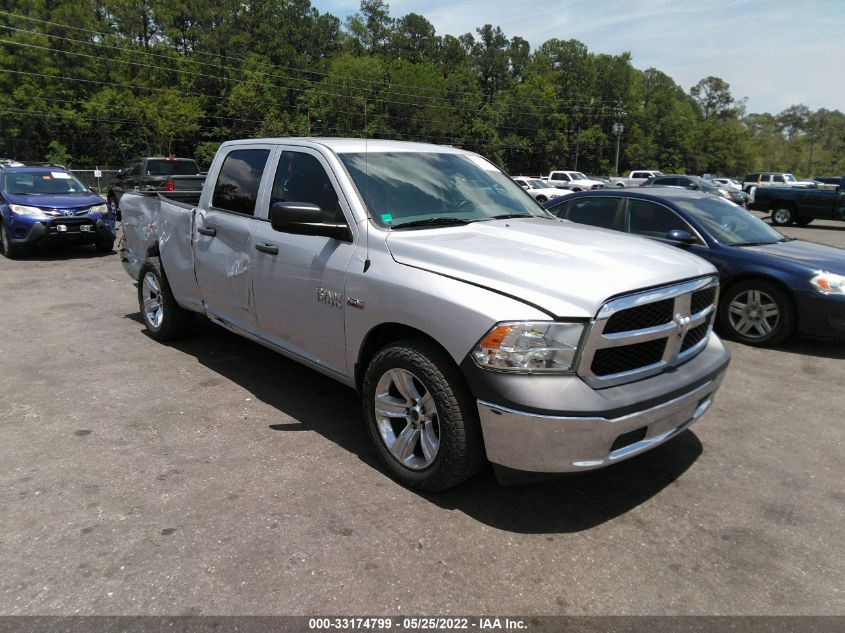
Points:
x=380, y=336
x=759, y=276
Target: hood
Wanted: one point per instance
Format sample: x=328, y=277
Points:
x=552, y=191
x=55, y=201
x=810, y=255
x=567, y=269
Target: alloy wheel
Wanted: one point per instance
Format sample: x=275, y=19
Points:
x=754, y=314
x=153, y=304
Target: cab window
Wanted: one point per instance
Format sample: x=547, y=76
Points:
x=236, y=188
x=301, y=178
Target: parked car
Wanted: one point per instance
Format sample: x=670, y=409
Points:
x=774, y=179
x=694, y=182
x=539, y=189
x=473, y=323
x=728, y=183
x=801, y=206
x=50, y=205
x=572, y=180
x=635, y=178
x=771, y=285
x=180, y=177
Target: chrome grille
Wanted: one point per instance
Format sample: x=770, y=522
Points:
x=643, y=334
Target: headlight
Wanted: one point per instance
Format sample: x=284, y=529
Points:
x=530, y=346
x=102, y=209
x=829, y=284
x=31, y=211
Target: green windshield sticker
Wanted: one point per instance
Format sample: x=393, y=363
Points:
x=386, y=217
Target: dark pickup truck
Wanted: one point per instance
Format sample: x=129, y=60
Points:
x=180, y=177
x=801, y=206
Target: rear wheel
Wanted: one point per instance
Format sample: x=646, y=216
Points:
x=782, y=216
x=421, y=416
x=756, y=312
x=164, y=319
x=12, y=251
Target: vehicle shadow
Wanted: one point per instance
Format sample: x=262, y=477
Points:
x=818, y=347
x=64, y=252
x=317, y=403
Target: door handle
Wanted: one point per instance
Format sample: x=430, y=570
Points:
x=270, y=249
x=210, y=231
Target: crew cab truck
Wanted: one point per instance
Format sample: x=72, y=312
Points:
x=572, y=180
x=635, y=178
x=179, y=177
x=798, y=205
x=473, y=323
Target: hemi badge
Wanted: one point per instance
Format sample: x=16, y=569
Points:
x=354, y=303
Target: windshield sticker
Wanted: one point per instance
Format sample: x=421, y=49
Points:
x=58, y=174
x=480, y=162
x=386, y=217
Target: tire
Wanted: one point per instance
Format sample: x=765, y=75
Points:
x=541, y=198
x=164, y=319
x=756, y=312
x=783, y=216
x=11, y=251
x=105, y=246
x=576, y=189
x=803, y=221
x=426, y=430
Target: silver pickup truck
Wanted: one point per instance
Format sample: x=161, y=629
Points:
x=475, y=325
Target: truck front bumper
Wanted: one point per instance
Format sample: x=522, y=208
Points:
x=595, y=428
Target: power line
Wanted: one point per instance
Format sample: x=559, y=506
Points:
x=216, y=56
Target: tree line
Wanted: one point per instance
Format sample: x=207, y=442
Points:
x=95, y=82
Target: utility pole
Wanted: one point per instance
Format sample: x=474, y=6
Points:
x=617, y=129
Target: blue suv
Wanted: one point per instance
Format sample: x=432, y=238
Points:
x=48, y=204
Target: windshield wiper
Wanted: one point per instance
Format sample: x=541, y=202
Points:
x=759, y=243
x=431, y=222
x=508, y=216
x=786, y=238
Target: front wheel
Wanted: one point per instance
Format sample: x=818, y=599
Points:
x=164, y=319
x=782, y=216
x=756, y=312
x=12, y=251
x=421, y=416
x=105, y=246
x=541, y=198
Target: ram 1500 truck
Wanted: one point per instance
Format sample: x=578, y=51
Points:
x=572, y=180
x=473, y=323
x=799, y=205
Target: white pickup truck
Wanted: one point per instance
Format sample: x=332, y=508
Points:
x=635, y=178
x=572, y=180
x=475, y=325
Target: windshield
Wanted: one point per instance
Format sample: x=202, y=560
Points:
x=537, y=184
x=790, y=178
x=164, y=167
x=577, y=175
x=405, y=187
x=705, y=185
x=729, y=224
x=42, y=182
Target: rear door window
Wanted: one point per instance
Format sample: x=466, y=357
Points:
x=237, y=184
x=600, y=212
x=654, y=220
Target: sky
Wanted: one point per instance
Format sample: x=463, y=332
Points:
x=774, y=53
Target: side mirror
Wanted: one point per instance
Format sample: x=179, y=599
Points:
x=681, y=236
x=304, y=218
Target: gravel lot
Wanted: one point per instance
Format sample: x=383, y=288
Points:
x=215, y=477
